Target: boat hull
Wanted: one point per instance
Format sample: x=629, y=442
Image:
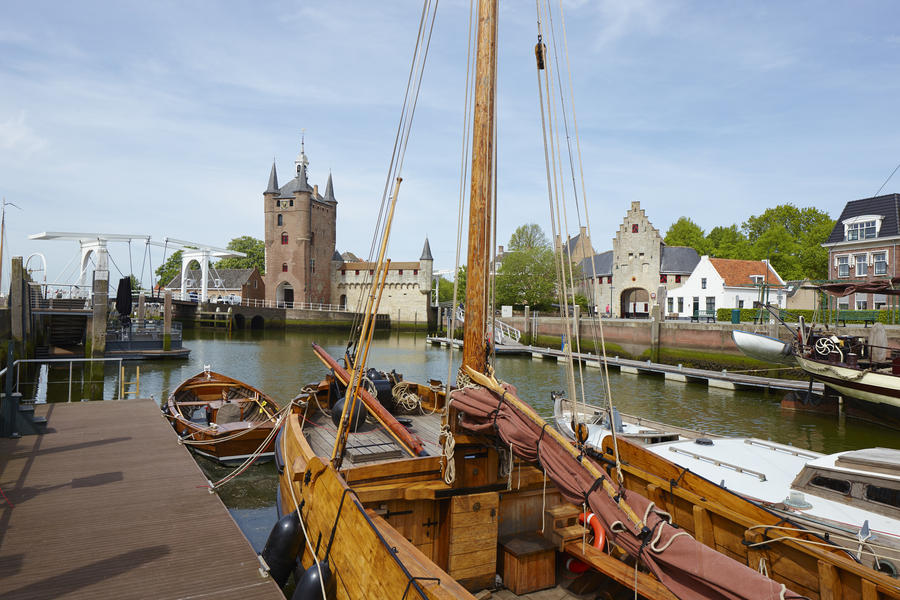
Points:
x=763, y=347
x=870, y=395
x=227, y=443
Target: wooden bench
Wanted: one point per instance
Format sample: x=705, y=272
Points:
x=709, y=315
x=866, y=316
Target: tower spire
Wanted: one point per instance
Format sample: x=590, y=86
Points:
x=273, y=180
x=329, y=190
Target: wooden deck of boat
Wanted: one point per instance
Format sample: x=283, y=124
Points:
x=371, y=444
x=106, y=504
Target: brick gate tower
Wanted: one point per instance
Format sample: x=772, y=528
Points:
x=300, y=236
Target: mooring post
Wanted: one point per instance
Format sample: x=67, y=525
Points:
x=10, y=400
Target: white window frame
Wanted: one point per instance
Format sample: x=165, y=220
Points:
x=876, y=262
x=856, y=228
x=838, y=264
x=861, y=264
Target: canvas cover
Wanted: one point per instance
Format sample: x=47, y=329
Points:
x=686, y=567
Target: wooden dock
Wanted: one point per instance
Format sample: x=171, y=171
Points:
x=106, y=504
x=718, y=379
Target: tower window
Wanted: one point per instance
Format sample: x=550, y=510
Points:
x=415, y=272
x=291, y=203
x=312, y=265
x=634, y=228
x=284, y=267
x=401, y=271
x=663, y=278
x=280, y=220
x=357, y=271
x=678, y=279
x=284, y=239
x=343, y=271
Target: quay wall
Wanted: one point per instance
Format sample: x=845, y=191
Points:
x=705, y=345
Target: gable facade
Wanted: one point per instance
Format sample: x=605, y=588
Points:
x=725, y=283
x=864, y=245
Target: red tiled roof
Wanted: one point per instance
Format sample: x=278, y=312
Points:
x=736, y=273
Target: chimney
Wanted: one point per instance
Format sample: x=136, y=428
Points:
x=316, y=189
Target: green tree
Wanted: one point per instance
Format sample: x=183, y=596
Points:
x=727, y=242
x=685, y=232
x=254, y=249
x=793, y=237
x=461, y=288
x=169, y=269
x=527, y=277
x=445, y=289
x=528, y=237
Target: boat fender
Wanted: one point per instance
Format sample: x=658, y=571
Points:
x=573, y=564
x=282, y=547
x=356, y=420
x=308, y=586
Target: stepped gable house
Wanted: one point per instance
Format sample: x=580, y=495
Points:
x=299, y=237
x=638, y=272
x=863, y=245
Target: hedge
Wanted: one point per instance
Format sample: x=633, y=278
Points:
x=748, y=315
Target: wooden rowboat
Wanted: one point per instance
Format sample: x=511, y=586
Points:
x=222, y=418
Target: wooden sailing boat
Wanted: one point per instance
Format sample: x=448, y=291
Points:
x=367, y=523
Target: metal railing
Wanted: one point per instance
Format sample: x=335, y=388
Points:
x=503, y=332
x=151, y=330
x=294, y=305
x=52, y=361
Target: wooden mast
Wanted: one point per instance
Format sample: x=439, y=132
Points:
x=474, y=331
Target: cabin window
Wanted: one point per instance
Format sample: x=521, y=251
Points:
x=883, y=495
x=678, y=279
x=280, y=220
x=830, y=483
x=862, y=266
x=284, y=239
x=284, y=267
x=843, y=266
x=861, y=231
x=703, y=283
x=663, y=278
x=880, y=261
x=634, y=228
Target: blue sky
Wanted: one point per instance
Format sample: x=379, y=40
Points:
x=163, y=118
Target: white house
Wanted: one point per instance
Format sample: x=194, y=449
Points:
x=725, y=283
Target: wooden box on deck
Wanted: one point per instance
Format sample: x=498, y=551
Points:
x=528, y=563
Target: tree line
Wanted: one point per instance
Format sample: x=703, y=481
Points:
x=790, y=237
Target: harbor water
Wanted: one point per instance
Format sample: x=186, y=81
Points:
x=281, y=362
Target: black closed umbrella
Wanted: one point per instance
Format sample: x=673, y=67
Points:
x=123, y=297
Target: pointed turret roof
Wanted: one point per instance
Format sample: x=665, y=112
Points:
x=426, y=252
x=273, y=181
x=329, y=190
x=337, y=257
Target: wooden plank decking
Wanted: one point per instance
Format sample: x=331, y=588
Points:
x=106, y=504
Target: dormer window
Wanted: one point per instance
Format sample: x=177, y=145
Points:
x=863, y=227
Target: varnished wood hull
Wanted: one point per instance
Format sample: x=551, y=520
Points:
x=248, y=435
x=733, y=525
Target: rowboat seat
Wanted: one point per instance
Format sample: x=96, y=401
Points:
x=235, y=426
x=228, y=413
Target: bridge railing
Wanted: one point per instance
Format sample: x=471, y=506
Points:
x=502, y=331
x=294, y=305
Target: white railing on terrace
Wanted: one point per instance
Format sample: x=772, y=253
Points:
x=503, y=333
x=294, y=305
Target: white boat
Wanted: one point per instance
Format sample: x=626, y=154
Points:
x=763, y=347
x=852, y=497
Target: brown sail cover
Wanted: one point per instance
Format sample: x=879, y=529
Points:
x=688, y=568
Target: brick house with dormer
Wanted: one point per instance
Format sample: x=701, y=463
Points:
x=864, y=245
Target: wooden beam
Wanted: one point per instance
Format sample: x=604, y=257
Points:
x=648, y=586
x=829, y=582
x=703, y=527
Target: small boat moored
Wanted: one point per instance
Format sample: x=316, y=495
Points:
x=222, y=418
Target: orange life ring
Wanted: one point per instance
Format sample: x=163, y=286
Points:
x=573, y=564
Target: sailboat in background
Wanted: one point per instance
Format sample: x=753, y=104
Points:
x=472, y=473
x=3, y=204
